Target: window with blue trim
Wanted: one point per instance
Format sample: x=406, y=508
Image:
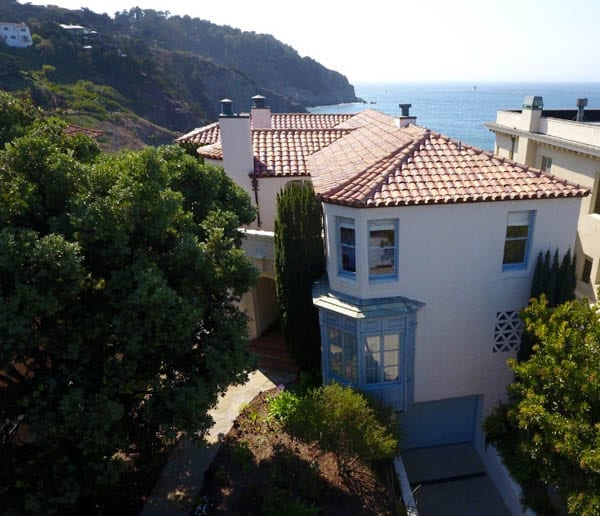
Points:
x=343, y=354
x=382, y=249
x=382, y=358
x=518, y=235
x=347, y=246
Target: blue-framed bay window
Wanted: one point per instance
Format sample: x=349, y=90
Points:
x=369, y=344
x=519, y=231
x=382, y=249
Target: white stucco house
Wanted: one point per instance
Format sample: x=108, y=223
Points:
x=430, y=252
x=15, y=34
x=566, y=144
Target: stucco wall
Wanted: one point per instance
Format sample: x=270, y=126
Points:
x=581, y=170
x=450, y=258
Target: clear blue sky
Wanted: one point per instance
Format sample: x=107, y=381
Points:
x=398, y=41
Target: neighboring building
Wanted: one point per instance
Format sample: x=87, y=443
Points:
x=566, y=144
x=430, y=246
x=15, y=34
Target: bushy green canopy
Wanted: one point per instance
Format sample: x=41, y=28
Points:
x=549, y=432
x=119, y=278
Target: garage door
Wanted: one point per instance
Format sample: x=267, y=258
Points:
x=439, y=422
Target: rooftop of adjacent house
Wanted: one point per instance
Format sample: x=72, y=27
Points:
x=369, y=160
x=76, y=129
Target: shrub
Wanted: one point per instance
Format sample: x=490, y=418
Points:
x=342, y=421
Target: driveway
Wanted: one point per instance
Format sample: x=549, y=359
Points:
x=451, y=480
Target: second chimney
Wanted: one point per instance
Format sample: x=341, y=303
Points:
x=260, y=113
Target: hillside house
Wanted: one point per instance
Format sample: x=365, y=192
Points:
x=15, y=34
x=566, y=144
x=430, y=251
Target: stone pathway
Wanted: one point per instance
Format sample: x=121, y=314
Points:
x=181, y=479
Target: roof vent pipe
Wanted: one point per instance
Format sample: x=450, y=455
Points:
x=404, y=108
x=226, y=107
x=259, y=101
x=581, y=103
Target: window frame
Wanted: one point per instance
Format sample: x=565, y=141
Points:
x=346, y=364
x=378, y=225
x=546, y=164
x=528, y=238
x=345, y=223
x=382, y=365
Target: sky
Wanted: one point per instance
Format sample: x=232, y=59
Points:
x=411, y=41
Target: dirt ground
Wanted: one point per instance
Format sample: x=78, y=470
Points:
x=260, y=469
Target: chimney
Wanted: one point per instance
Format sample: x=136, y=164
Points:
x=531, y=113
x=260, y=114
x=236, y=142
x=581, y=103
x=405, y=119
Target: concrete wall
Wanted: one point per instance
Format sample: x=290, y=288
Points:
x=450, y=258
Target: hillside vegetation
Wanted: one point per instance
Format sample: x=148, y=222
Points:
x=153, y=74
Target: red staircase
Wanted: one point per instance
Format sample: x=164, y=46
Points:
x=272, y=351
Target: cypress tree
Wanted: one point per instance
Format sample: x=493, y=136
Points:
x=537, y=286
x=299, y=261
x=557, y=282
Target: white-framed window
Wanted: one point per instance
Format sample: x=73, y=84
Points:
x=346, y=246
x=382, y=249
x=546, y=165
x=343, y=354
x=382, y=358
x=519, y=228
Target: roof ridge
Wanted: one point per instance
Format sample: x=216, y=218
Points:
x=383, y=177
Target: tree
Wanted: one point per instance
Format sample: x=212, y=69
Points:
x=556, y=282
x=549, y=432
x=119, y=327
x=299, y=261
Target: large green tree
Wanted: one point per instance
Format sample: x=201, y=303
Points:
x=119, y=278
x=299, y=261
x=549, y=432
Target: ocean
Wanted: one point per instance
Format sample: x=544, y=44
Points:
x=459, y=110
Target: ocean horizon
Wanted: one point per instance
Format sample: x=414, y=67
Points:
x=459, y=109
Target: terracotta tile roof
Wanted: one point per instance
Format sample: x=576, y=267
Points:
x=75, y=129
x=365, y=160
x=211, y=133
x=284, y=152
x=428, y=168
x=281, y=152
x=307, y=120
x=200, y=136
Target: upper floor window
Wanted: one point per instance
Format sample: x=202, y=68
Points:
x=518, y=233
x=382, y=249
x=546, y=164
x=347, y=246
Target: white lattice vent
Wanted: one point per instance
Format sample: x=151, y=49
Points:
x=508, y=331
